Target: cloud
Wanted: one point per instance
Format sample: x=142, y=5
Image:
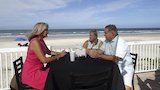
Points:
x=112, y=6
x=29, y=6
x=36, y=5
x=30, y=11
x=88, y=15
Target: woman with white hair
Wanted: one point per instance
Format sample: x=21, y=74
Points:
x=93, y=42
x=34, y=73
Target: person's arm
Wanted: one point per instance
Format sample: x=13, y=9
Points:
x=49, y=51
x=55, y=53
x=40, y=54
x=100, y=54
x=85, y=45
x=108, y=57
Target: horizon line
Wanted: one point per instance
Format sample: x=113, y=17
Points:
x=92, y=28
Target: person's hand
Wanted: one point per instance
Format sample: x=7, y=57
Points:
x=62, y=54
x=93, y=53
x=100, y=52
x=53, y=53
x=116, y=58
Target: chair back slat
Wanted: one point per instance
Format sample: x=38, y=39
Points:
x=134, y=60
x=18, y=65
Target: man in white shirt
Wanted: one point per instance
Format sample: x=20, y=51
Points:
x=116, y=49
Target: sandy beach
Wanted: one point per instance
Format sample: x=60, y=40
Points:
x=77, y=41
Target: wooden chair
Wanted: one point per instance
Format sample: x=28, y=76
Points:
x=95, y=81
x=18, y=64
x=134, y=60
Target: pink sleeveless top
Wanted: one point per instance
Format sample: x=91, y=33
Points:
x=33, y=73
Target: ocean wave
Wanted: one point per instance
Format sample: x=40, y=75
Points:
x=76, y=32
x=5, y=34
x=139, y=31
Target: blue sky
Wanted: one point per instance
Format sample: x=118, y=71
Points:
x=23, y=14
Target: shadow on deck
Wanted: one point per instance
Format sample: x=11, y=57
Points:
x=147, y=81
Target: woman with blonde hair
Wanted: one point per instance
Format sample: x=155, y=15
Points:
x=34, y=73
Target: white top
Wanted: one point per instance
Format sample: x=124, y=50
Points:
x=93, y=45
x=119, y=47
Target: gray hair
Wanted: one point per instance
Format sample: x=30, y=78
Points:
x=112, y=27
x=37, y=30
x=95, y=32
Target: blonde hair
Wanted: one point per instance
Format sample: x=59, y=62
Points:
x=37, y=30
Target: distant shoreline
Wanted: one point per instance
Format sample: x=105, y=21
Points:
x=136, y=28
x=10, y=35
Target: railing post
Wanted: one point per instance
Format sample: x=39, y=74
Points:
x=145, y=57
x=6, y=64
x=1, y=84
x=158, y=56
x=11, y=58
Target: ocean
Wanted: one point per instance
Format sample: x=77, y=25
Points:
x=76, y=32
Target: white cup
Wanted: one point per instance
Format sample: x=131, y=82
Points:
x=72, y=56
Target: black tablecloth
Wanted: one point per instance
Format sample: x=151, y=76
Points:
x=59, y=73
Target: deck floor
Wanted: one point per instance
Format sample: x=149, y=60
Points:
x=147, y=81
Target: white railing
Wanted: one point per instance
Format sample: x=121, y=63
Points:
x=148, y=59
x=7, y=56
x=148, y=55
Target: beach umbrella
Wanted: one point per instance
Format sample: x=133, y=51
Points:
x=20, y=39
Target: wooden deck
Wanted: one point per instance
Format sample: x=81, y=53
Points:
x=147, y=81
